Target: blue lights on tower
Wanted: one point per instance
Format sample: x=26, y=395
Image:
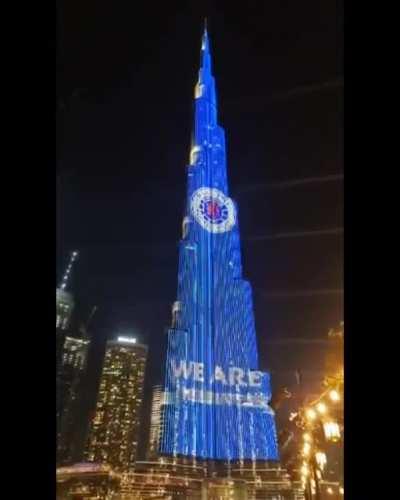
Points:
x=216, y=399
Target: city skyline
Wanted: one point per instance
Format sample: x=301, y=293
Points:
x=105, y=171
x=120, y=278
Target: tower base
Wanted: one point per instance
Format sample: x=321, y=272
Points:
x=190, y=479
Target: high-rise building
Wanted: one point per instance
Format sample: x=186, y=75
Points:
x=156, y=423
x=114, y=432
x=71, y=359
x=216, y=398
x=69, y=379
x=64, y=307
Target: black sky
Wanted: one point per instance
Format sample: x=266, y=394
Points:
x=125, y=78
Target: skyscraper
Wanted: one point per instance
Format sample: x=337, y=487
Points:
x=69, y=379
x=71, y=358
x=114, y=433
x=216, y=398
x=64, y=307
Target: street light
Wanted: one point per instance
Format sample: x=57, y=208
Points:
x=305, y=471
x=311, y=414
x=321, y=407
x=334, y=395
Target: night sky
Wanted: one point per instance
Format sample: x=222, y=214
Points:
x=125, y=78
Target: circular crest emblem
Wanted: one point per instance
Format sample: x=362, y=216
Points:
x=214, y=211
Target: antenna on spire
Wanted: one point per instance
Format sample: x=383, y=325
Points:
x=67, y=273
x=204, y=42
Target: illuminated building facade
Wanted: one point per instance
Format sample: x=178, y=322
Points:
x=156, y=423
x=114, y=431
x=185, y=479
x=163, y=481
x=266, y=483
x=216, y=399
x=87, y=481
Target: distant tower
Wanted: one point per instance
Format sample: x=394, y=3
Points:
x=71, y=360
x=156, y=423
x=114, y=431
x=64, y=300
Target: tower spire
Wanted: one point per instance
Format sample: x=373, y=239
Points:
x=207, y=136
x=205, y=91
x=205, y=53
x=67, y=273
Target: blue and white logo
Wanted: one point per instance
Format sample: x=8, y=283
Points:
x=214, y=211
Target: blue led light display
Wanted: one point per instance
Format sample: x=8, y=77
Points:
x=216, y=399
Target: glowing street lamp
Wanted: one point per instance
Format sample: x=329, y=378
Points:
x=304, y=471
x=307, y=437
x=306, y=449
x=311, y=414
x=334, y=395
x=321, y=408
